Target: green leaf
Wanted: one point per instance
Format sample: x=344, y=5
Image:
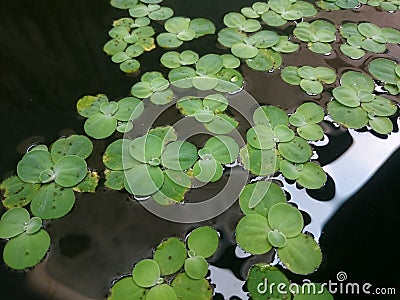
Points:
x=188, y=288
x=312, y=112
x=307, y=9
x=210, y=63
x=17, y=193
x=234, y=20
x=205, y=83
x=179, y=155
x=229, y=81
x=286, y=219
x=289, y=170
x=129, y=108
x=301, y=255
x=117, y=157
x=177, y=24
x=13, y=222
x=146, y=273
x=189, y=105
x=144, y=180
x=203, y=241
x=163, y=97
x=391, y=35
x=34, y=225
x=26, y=250
x=170, y=256
x=311, y=132
x=381, y=125
x=263, y=273
x=265, y=60
x=146, y=148
x=69, y=170
x=88, y=184
x=207, y=170
x=259, y=197
x=297, y=150
x=201, y=27
x=325, y=75
x=186, y=35
x=292, y=15
x=33, y=164
x=78, y=145
x=352, y=51
x=171, y=59
x=163, y=13
x=318, y=47
x=229, y=61
x=252, y=234
x=259, y=162
x=285, y=46
x=368, y=30
x=166, y=134
x=221, y=124
x=350, y=117
x=357, y=81
x=168, y=40
x=223, y=148
x=261, y=137
x=230, y=36
x=196, y=267
x=52, y=201
x=384, y=70
x=277, y=239
x=244, y=51
x=216, y=103
x=100, y=126
x=89, y=105
x=271, y=18
x=373, y=46
x=312, y=176
x=182, y=77
x=311, y=86
x=130, y=66
x=114, y=46
x=123, y=4
x=161, y=292
x=380, y=106
x=127, y=289
x=114, y=179
x=270, y=116
x=290, y=75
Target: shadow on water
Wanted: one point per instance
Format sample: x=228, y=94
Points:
x=50, y=56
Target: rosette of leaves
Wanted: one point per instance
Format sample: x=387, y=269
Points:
x=27, y=242
x=280, y=228
x=338, y=4
x=271, y=144
x=154, y=164
x=260, y=50
x=306, y=119
x=208, y=111
x=388, y=5
x=180, y=30
x=104, y=116
x=310, y=79
x=47, y=179
x=148, y=278
x=271, y=278
x=355, y=105
x=218, y=151
x=318, y=35
x=129, y=39
x=388, y=72
x=255, y=11
x=366, y=37
x=211, y=72
x=151, y=10
x=153, y=85
x=282, y=11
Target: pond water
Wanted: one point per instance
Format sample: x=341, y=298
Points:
x=50, y=56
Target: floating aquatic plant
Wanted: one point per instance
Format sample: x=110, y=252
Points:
x=388, y=5
x=366, y=37
x=217, y=151
x=129, y=39
x=355, y=105
x=271, y=143
x=279, y=227
x=338, y=4
x=318, y=35
x=154, y=164
x=388, y=72
x=171, y=257
x=104, y=116
x=180, y=30
x=308, y=78
x=306, y=119
x=152, y=11
x=47, y=179
x=27, y=242
x=260, y=50
x=275, y=285
x=211, y=71
x=153, y=85
x=209, y=111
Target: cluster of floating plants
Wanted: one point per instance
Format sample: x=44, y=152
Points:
x=366, y=37
x=308, y=78
x=388, y=5
x=176, y=270
x=158, y=165
x=355, y=105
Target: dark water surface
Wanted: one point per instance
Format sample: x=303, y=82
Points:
x=51, y=55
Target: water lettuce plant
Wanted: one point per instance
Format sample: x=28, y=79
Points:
x=129, y=39
x=273, y=146
x=27, y=242
x=153, y=85
x=151, y=278
x=218, y=151
x=310, y=79
x=210, y=72
x=355, y=105
x=306, y=119
x=278, y=226
x=152, y=11
x=180, y=30
x=366, y=37
x=209, y=111
x=388, y=72
x=388, y=5
x=318, y=34
x=46, y=179
x=275, y=285
x=154, y=164
x=104, y=116
x=338, y=4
